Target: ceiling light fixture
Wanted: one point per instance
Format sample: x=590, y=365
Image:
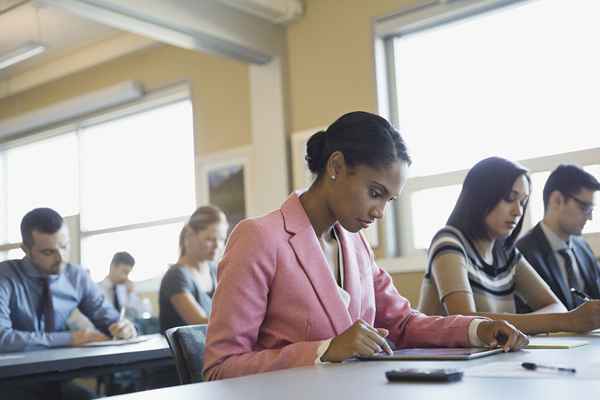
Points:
x=24, y=52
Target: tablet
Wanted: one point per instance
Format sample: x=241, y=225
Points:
x=433, y=354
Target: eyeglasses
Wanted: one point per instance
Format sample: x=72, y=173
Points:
x=586, y=208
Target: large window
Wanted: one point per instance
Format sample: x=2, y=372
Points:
x=480, y=89
x=138, y=174
x=41, y=174
x=138, y=169
x=518, y=81
x=127, y=177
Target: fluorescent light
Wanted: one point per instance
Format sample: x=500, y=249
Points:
x=21, y=53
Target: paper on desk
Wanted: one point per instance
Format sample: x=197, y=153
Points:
x=554, y=343
x=591, y=333
x=10, y=356
x=119, y=342
x=512, y=369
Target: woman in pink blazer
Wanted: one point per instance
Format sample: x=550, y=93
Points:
x=300, y=285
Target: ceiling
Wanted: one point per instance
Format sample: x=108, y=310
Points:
x=79, y=34
x=62, y=32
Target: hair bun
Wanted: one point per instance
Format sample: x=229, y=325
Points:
x=314, y=152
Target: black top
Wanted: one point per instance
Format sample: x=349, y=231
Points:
x=537, y=250
x=178, y=279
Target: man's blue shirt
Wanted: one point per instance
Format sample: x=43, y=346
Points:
x=21, y=291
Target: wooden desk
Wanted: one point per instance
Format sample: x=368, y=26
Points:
x=72, y=362
x=366, y=381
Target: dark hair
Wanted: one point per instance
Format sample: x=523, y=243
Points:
x=568, y=180
x=362, y=137
x=123, y=257
x=486, y=184
x=44, y=220
x=200, y=220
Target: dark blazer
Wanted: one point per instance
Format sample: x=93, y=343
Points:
x=537, y=250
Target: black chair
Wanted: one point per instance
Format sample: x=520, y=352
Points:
x=187, y=346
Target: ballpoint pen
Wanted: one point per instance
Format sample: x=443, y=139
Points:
x=121, y=318
x=583, y=296
x=533, y=366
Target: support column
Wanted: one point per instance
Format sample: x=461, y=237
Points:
x=270, y=142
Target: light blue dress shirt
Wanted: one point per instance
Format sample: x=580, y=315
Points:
x=21, y=290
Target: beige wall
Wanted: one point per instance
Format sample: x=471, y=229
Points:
x=409, y=285
x=331, y=68
x=220, y=90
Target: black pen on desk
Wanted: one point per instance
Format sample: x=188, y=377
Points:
x=582, y=295
x=533, y=366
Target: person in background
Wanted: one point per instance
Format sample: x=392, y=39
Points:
x=299, y=286
x=39, y=292
x=554, y=247
x=474, y=267
x=118, y=289
x=120, y=292
x=186, y=289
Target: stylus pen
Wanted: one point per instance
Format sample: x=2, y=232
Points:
x=582, y=295
x=533, y=366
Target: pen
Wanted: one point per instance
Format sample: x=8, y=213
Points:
x=580, y=294
x=533, y=366
x=121, y=318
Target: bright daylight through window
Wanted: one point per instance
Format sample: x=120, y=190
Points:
x=129, y=179
x=520, y=82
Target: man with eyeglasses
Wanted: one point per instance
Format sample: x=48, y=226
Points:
x=555, y=247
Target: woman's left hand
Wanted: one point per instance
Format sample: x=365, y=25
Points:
x=501, y=334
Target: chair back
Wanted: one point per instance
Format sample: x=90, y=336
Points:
x=187, y=345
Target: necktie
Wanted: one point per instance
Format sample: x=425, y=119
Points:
x=116, y=298
x=47, y=306
x=571, y=279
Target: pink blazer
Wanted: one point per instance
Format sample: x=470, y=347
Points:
x=276, y=299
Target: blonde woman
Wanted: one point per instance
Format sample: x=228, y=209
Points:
x=187, y=288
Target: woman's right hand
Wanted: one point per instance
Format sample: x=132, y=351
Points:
x=361, y=339
x=585, y=318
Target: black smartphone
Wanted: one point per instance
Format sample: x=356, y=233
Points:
x=424, y=375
